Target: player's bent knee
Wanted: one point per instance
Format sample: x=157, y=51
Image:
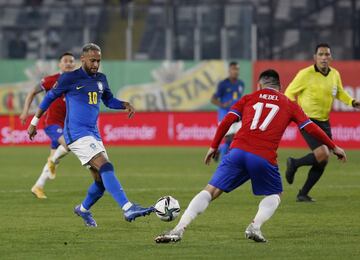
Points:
x=106, y=167
x=322, y=153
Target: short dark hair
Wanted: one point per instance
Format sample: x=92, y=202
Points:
x=321, y=45
x=270, y=78
x=233, y=63
x=90, y=47
x=67, y=53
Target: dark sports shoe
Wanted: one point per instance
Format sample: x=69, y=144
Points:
x=137, y=211
x=290, y=170
x=304, y=198
x=86, y=216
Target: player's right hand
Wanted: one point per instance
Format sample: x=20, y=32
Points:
x=130, y=109
x=340, y=153
x=31, y=131
x=210, y=155
x=22, y=118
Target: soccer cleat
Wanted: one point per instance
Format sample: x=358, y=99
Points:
x=86, y=216
x=304, y=198
x=290, y=170
x=137, y=211
x=51, y=166
x=254, y=234
x=170, y=236
x=38, y=192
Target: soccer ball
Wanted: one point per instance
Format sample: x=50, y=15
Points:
x=167, y=208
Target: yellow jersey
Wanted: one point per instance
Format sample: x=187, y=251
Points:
x=315, y=92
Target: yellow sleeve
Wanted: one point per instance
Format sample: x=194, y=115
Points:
x=295, y=87
x=341, y=94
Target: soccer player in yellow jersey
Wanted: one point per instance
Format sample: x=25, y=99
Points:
x=315, y=89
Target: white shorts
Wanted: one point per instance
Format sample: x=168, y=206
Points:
x=86, y=148
x=233, y=128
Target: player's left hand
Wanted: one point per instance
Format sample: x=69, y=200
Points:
x=210, y=155
x=31, y=131
x=340, y=153
x=130, y=109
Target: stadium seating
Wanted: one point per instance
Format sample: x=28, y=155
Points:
x=223, y=29
x=278, y=28
x=49, y=27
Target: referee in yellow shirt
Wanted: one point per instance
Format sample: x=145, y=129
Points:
x=315, y=89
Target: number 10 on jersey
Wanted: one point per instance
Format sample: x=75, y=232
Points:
x=92, y=98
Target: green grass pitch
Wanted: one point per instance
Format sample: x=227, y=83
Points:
x=48, y=229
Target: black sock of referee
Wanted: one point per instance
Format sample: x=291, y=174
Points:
x=314, y=175
x=308, y=159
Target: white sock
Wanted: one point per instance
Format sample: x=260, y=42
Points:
x=43, y=177
x=196, y=206
x=267, y=207
x=82, y=209
x=60, y=152
x=127, y=206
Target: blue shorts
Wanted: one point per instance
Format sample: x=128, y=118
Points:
x=54, y=132
x=238, y=166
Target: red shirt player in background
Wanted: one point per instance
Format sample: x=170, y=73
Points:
x=54, y=123
x=265, y=114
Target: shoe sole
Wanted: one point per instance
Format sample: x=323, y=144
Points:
x=141, y=215
x=309, y=201
x=77, y=214
x=255, y=238
x=165, y=240
x=36, y=196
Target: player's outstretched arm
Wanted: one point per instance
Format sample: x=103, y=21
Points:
x=111, y=102
x=115, y=103
x=28, y=100
x=44, y=105
x=33, y=124
x=319, y=134
x=222, y=129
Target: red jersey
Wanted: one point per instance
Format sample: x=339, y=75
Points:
x=56, y=113
x=265, y=114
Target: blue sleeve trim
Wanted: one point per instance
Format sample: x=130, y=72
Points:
x=302, y=125
x=235, y=112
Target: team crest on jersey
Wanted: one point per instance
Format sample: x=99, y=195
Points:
x=100, y=86
x=93, y=146
x=59, y=130
x=241, y=88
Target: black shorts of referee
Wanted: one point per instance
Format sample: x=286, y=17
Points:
x=312, y=141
